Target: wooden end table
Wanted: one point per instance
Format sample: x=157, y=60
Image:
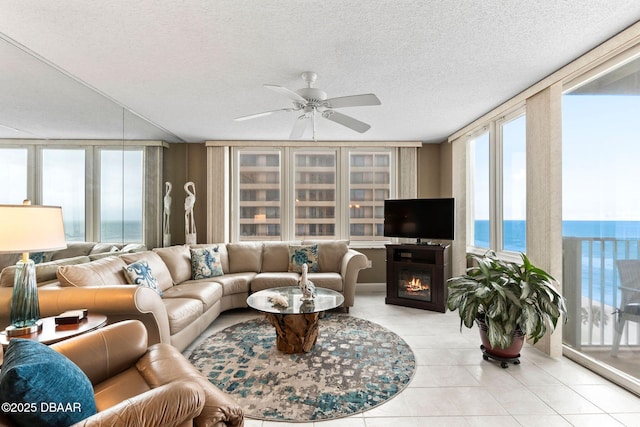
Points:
x=52, y=333
x=296, y=325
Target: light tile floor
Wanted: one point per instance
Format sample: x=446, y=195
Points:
x=454, y=386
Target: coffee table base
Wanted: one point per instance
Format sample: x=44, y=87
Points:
x=295, y=333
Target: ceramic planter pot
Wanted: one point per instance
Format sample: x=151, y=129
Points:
x=511, y=352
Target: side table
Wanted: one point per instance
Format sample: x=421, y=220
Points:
x=52, y=333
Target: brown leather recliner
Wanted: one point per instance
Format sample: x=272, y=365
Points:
x=136, y=385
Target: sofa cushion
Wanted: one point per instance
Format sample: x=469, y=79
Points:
x=102, y=248
x=233, y=283
x=102, y=272
x=159, y=268
x=207, y=292
x=139, y=273
x=73, y=249
x=178, y=261
x=34, y=374
x=244, y=257
x=205, y=263
x=274, y=280
x=327, y=280
x=275, y=256
x=182, y=312
x=330, y=254
x=45, y=272
x=303, y=254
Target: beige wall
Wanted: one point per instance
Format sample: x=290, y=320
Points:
x=184, y=163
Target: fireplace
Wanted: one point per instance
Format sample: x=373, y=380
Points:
x=414, y=284
x=416, y=276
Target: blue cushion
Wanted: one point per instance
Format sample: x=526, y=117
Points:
x=48, y=388
x=139, y=273
x=205, y=263
x=299, y=255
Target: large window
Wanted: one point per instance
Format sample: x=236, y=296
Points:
x=601, y=214
x=315, y=194
x=13, y=175
x=513, y=143
x=370, y=185
x=121, y=195
x=259, y=198
x=324, y=193
x=63, y=184
x=497, y=175
x=101, y=188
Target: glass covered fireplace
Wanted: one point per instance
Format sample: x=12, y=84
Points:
x=414, y=284
x=417, y=275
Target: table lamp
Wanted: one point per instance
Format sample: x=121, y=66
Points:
x=28, y=228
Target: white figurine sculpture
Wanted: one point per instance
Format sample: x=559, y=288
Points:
x=307, y=287
x=166, y=226
x=189, y=221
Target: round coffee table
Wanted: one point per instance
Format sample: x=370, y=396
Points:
x=296, y=325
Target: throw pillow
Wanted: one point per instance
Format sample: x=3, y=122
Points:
x=51, y=389
x=205, y=263
x=139, y=273
x=299, y=255
x=37, y=257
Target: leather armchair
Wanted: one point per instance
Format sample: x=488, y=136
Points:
x=136, y=385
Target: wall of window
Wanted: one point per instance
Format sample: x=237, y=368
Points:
x=102, y=188
x=496, y=187
x=327, y=193
x=601, y=213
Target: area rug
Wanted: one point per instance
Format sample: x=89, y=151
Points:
x=354, y=366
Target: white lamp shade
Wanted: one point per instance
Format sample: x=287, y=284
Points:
x=31, y=228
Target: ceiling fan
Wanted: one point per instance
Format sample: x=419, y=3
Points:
x=311, y=102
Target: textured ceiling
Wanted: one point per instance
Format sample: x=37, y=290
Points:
x=190, y=67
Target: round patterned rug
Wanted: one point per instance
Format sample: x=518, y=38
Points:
x=354, y=366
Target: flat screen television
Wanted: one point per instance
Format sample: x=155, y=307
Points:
x=422, y=219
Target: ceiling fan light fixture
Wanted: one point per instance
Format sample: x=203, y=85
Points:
x=312, y=100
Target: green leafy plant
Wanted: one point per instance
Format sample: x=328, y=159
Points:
x=508, y=296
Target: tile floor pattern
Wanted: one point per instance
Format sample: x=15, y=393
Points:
x=453, y=385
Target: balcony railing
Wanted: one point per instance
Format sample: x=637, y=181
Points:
x=591, y=285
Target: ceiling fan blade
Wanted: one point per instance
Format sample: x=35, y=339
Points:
x=265, y=113
x=353, y=101
x=287, y=92
x=299, y=127
x=347, y=121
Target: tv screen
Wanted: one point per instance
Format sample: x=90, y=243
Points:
x=419, y=218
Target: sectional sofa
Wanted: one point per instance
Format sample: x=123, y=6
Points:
x=182, y=307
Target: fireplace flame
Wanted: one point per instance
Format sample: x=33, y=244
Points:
x=416, y=285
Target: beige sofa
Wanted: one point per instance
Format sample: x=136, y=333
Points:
x=187, y=307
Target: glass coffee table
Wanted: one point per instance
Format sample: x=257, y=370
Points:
x=296, y=324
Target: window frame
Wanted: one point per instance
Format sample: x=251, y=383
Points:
x=287, y=196
x=494, y=128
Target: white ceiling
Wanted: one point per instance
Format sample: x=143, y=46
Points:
x=190, y=67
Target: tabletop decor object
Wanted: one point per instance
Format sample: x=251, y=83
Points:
x=28, y=228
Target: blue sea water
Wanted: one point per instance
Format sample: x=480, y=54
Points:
x=601, y=244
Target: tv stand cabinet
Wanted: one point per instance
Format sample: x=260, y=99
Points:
x=417, y=276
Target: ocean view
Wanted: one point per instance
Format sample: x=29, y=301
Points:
x=110, y=231
x=600, y=243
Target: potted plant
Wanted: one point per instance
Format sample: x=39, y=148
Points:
x=509, y=301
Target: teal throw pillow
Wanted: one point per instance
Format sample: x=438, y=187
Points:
x=37, y=257
x=205, y=263
x=299, y=255
x=139, y=273
x=44, y=387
